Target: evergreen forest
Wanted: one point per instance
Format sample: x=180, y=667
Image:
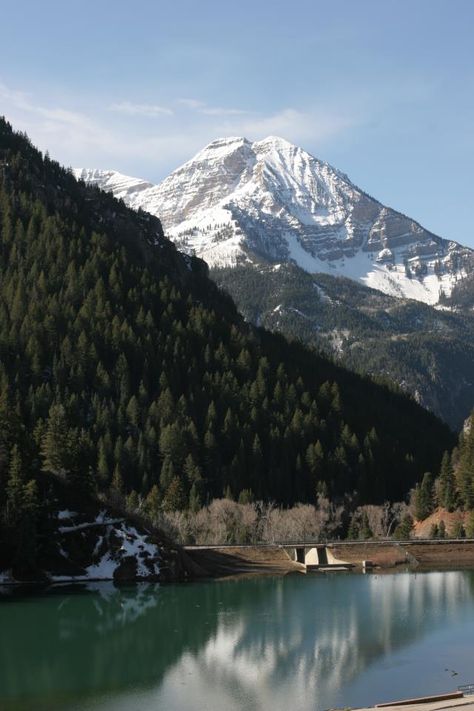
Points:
x=123, y=368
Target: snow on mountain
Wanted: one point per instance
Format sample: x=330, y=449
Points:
x=121, y=185
x=270, y=201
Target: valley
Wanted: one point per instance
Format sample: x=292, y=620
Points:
x=305, y=252
x=237, y=356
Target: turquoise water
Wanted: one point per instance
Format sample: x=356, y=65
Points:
x=269, y=643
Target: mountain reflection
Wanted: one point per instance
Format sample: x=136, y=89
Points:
x=256, y=643
x=307, y=641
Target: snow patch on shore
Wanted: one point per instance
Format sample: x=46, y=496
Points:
x=122, y=543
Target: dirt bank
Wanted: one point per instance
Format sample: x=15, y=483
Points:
x=443, y=555
x=217, y=562
x=384, y=556
x=426, y=555
x=237, y=560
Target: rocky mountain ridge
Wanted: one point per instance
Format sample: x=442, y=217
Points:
x=270, y=202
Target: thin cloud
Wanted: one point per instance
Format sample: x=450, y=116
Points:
x=314, y=125
x=297, y=125
x=220, y=111
x=152, y=110
x=191, y=103
x=97, y=139
x=63, y=132
x=202, y=108
x=16, y=98
x=22, y=102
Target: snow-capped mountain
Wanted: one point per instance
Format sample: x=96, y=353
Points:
x=271, y=202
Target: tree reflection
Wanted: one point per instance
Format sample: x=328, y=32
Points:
x=269, y=639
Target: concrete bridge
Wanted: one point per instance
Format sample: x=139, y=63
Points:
x=315, y=557
x=302, y=557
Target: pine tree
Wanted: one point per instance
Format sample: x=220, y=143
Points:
x=365, y=530
x=133, y=411
x=14, y=490
x=404, y=529
x=195, y=499
x=174, y=498
x=458, y=530
x=353, y=530
x=167, y=474
x=152, y=503
x=27, y=542
x=103, y=470
x=470, y=525
x=132, y=502
x=447, y=484
x=54, y=445
x=465, y=468
x=246, y=496
x=21, y=513
x=424, y=497
x=117, y=487
x=172, y=444
x=80, y=472
x=192, y=470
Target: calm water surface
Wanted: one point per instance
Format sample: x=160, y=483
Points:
x=300, y=643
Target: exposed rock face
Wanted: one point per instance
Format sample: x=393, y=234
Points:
x=238, y=202
x=103, y=547
x=97, y=543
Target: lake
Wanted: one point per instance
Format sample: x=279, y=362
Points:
x=265, y=643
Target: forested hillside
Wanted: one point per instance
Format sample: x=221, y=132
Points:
x=124, y=369
x=453, y=488
x=429, y=352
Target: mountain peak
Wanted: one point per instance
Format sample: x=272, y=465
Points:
x=276, y=142
x=227, y=141
x=270, y=201
x=112, y=181
x=221, y=147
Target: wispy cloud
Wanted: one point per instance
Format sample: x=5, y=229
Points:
x=315, y=125
x=127, y=107
x=289, y=122
x=202, y=108
x=191, y=103
x=97, y=138
x=60, y=130
x=22, y=105
x=221, y=111
x=17, y=98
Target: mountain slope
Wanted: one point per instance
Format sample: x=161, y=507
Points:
x=126, y=374
x=429, y=352
x=273, y=218
x=238, y=202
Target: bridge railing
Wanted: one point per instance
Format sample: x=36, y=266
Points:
x=336, y=541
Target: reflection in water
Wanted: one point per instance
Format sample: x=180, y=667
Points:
x=302, y=642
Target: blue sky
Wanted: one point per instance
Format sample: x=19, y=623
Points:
x=382, y=89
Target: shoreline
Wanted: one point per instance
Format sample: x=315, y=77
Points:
x=211, y=562
x=218, y=561
x=437, y=702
